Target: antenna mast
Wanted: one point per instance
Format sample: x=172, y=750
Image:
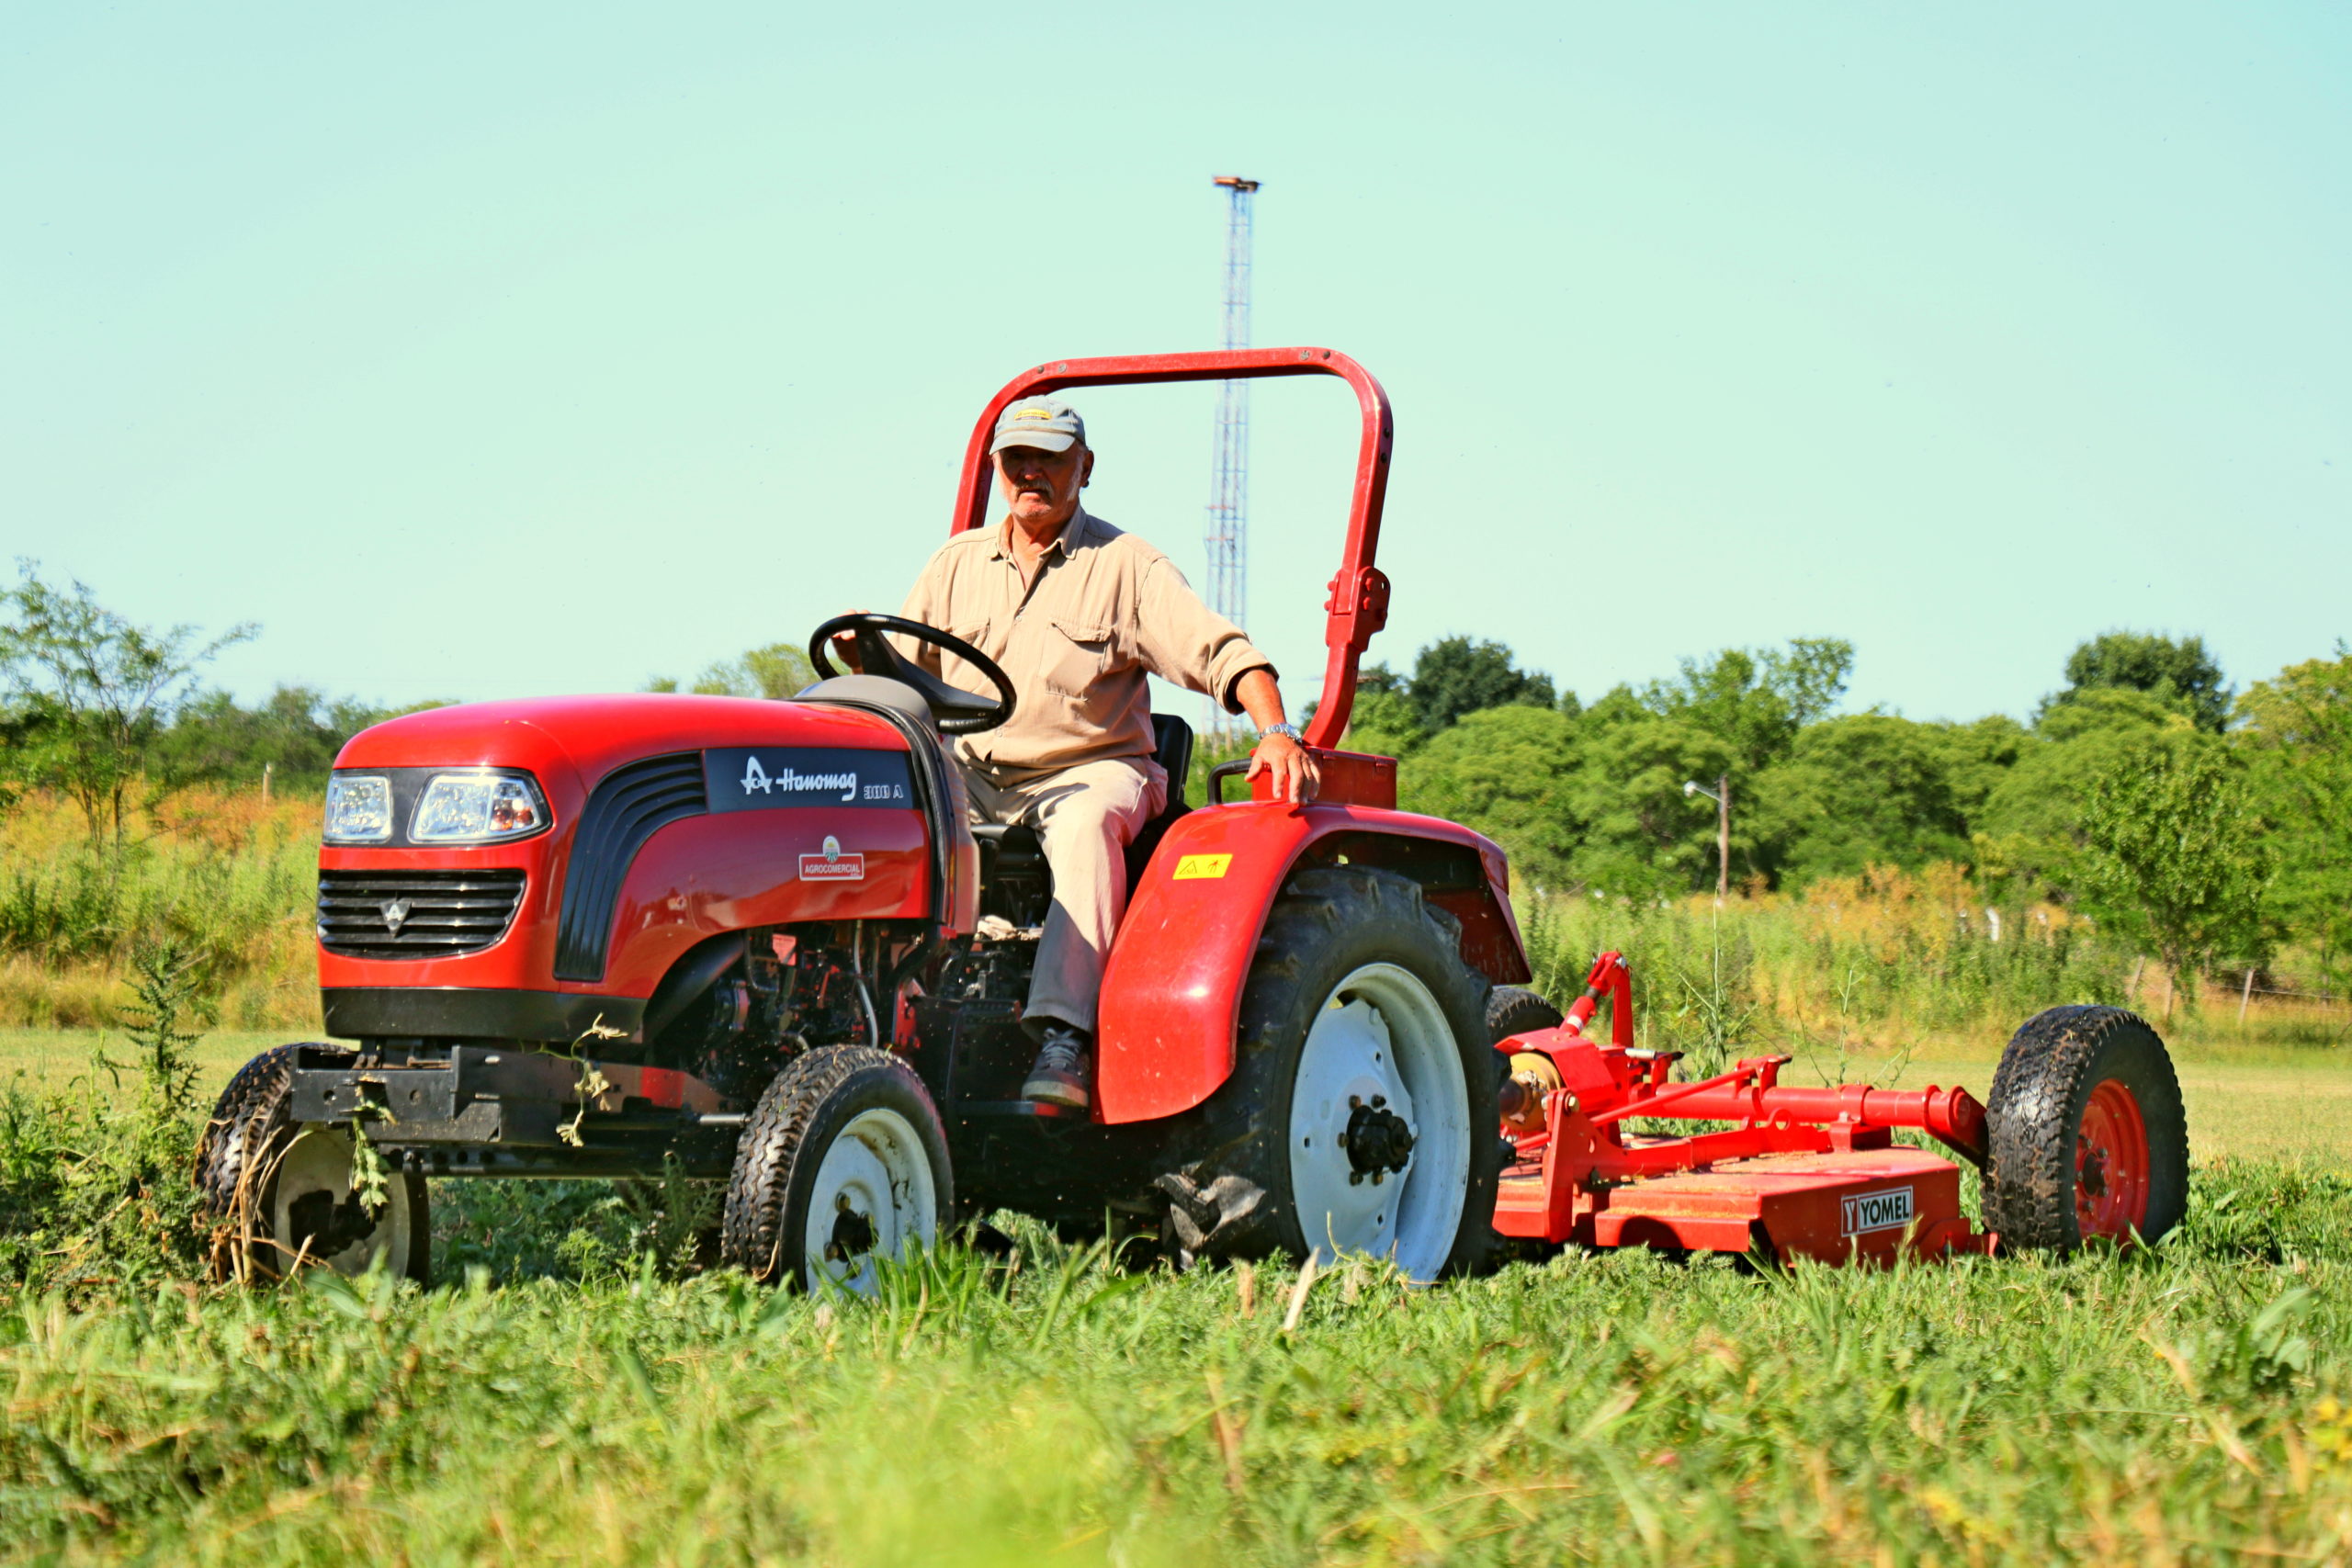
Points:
x=1227, y=536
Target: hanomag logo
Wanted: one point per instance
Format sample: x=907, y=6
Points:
x=790, y=782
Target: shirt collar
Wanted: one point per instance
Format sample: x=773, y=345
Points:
x=1072, y=536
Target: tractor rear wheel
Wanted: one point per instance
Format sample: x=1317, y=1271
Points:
x=282, y=1194
x=1360, y=1117
x=1514, y=1010
x=2088, y=1138
x=843, y=1163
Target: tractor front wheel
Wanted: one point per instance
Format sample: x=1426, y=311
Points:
x=842, y=1163
x=282, y=1196
x=1360, y=1114
x=2089, y=1139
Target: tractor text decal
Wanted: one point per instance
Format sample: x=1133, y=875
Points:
x=833, y=866
x=757, y=778
x=1878, y=1212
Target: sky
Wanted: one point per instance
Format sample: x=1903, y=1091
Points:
x=490, y=350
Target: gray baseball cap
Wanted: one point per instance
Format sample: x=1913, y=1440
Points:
x=1046, y=424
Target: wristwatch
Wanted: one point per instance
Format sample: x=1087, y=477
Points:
x=1289, y=729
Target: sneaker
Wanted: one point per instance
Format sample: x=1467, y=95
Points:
x=1058, y=1075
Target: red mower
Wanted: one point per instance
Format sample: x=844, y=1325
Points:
x=758, y=941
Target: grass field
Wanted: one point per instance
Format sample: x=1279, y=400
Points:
x=555, y=1400
x=2245, y=1102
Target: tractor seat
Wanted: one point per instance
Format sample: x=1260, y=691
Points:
x=1013, y=862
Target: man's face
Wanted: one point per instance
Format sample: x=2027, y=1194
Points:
x=1042, y=487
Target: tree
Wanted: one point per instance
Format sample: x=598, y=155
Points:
x=89, y=694
x=2029, y=829
x=1756, y=701
x=1641, y=836
x=2297, y=736
x=1505, y=772
x=296, y=730
x=1867, y=789
x=779, y=671
x=1384, y=723
x=1454, y=676
x=2176, y=671
x=2176, y=857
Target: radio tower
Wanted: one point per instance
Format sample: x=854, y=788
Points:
x=1229, y=524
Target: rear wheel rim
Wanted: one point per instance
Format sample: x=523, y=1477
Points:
x=2111, y=1163
x=873, y=1197
x=1380, y=1049
x=313, y=1215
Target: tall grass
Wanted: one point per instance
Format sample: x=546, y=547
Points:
x=1872, y=964
x=2184, y=1404
x=226, y=879
x=576, y=1392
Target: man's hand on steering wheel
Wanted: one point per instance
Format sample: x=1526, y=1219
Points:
x=861, y=639
x=846, y=647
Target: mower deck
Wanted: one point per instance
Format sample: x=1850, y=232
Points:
x=1843, y=1206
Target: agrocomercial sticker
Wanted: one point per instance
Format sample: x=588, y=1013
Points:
x=833, y=866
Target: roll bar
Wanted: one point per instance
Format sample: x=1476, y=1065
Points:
x=1358, y=605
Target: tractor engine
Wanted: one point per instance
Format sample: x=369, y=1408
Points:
x=780, y=992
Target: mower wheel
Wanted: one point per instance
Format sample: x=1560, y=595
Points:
x=281, y=1194
x=2089, y=1139
x=1515, y=1009
x=1360, y=1115
x=843, y=1163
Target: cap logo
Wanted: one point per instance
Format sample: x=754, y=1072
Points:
x=1033, y=413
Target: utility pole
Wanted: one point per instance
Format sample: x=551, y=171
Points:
x=1721, y=795
x=1227, y=536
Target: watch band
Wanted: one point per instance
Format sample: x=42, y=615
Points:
x=1289, y=729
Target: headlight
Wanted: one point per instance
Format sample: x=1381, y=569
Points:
x=360, y=808
x=477, y=808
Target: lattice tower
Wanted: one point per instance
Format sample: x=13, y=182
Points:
x=1227, y=536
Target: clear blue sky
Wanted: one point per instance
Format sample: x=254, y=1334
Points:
x=490, y=350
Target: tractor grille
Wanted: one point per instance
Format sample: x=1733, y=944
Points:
x=415, y=914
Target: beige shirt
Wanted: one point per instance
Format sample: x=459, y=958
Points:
x=1104, y=610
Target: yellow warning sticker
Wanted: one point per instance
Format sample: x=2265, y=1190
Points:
x=1192, y=868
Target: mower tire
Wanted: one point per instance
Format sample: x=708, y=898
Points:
x=2089, y=1139
x=1515, y=1009
x=1361, y=1113
x=280, y=1194
x=843, y=1163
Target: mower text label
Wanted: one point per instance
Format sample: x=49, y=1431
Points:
x=759, y=778
x=1193, y=867
x=1878, y=1211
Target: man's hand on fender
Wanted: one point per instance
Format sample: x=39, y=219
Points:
x=1290, y=766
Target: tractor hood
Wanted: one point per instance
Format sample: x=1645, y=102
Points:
x=571, y=742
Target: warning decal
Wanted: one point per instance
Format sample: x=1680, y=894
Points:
x=1192, y=868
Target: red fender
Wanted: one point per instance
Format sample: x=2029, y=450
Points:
x=1171, y=992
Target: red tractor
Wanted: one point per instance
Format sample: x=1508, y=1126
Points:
x=759, y=942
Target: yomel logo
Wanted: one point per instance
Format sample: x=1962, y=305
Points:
x=833, y=866
x=1878, y=1211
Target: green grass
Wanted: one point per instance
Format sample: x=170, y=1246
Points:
x=555, y=1400
x=1617, y=1407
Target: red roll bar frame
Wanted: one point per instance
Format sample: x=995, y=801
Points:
x=1358, y=605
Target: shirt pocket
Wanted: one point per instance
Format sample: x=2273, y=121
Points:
x=1077, y=654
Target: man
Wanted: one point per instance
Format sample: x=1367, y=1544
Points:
x=1078, y=613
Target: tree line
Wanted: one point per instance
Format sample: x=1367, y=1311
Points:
x=2205, y=823
x=2208, y=823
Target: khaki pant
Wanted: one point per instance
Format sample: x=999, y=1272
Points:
x=1085, y=817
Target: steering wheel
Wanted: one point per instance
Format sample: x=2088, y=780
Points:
x=958, y=711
